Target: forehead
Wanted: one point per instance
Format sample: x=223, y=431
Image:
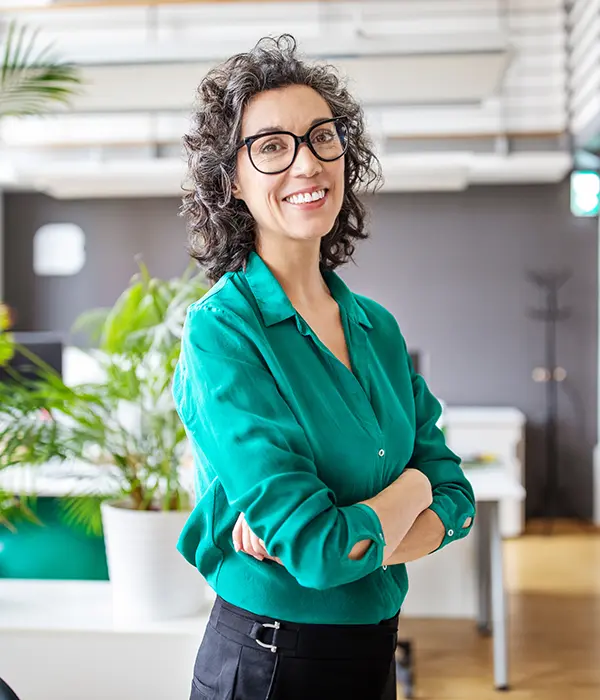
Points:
x=291, y=108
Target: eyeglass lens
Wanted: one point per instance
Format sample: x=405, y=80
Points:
x=275, y=152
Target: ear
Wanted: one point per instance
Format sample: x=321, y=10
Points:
x=235, y=189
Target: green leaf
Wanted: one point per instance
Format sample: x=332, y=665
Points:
x=15, y=509
x=31, y=78
x=83, y=512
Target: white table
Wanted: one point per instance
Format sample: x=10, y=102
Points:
x=491, y=487
x=58, y=641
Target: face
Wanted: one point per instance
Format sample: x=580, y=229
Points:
x=293, y=108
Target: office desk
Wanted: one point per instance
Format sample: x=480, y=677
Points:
x=491, y=487
x=59, y=641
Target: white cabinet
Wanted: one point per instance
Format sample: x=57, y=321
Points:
x=472, y=431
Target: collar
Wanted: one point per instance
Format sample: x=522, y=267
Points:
x=274, y=304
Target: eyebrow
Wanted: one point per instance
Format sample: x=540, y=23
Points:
x=277, y=127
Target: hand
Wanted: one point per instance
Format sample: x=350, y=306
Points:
x=245, y=540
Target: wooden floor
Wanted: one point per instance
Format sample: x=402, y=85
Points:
x=554, y=613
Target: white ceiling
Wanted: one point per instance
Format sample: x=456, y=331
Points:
x=433, y=70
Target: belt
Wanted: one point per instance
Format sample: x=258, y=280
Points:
x=304, y=639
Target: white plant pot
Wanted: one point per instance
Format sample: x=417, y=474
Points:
x=150, y=580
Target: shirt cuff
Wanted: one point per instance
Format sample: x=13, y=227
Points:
x=453, y=530
x=367, y=526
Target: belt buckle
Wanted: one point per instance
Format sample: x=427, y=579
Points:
x=275, y=625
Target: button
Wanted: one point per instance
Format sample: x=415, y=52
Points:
x=385, y=567
x=381, y=453
x=450, y=533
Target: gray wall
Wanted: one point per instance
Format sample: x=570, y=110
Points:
x=116, y=231
x=451, y=267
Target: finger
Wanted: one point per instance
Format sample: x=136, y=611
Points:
x=248, y=548
x=256, y=549
x=236, y=535
x=245, y=537
x=257, y=546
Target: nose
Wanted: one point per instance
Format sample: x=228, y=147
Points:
x=305, y=163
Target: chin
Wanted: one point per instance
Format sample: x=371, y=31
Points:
x=310, y=233
x=309, y=230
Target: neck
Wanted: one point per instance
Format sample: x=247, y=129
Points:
x=296, y=268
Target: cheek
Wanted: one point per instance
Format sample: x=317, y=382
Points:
x=337, y=177
x=335, y=172
x=257, y=190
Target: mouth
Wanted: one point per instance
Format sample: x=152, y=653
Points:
x=308, y=200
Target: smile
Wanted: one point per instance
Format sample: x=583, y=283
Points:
x=306, y=197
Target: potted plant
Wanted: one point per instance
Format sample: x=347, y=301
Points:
x=125, y=424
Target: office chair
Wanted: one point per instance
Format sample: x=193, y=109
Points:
x=405, y=673
x=6, y=692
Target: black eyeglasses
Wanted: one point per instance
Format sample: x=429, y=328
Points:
x=275, y=151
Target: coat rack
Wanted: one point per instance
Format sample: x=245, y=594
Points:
x=554, y=500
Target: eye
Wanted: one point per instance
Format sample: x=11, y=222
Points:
x=271, y=146
x=323, y=136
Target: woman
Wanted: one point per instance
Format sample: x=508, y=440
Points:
x=320, y=469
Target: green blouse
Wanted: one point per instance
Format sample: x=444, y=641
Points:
x=285, y=433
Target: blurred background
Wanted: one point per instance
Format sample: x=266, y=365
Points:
x=485, y=115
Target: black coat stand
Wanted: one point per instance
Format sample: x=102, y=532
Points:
x=555, y=502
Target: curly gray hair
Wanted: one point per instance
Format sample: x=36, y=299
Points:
x=221, y=228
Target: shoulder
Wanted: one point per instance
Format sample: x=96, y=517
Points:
x=229, y=297
x=381, y=318
x=224, y=318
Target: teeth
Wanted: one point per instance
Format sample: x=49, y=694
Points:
x=306, y=197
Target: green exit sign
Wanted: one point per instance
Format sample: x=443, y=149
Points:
x=585, y=193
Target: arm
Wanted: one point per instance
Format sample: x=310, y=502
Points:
x=453, y=498
x=420, y=515
x=424, y=537
x=397, y=507
x=249, y=438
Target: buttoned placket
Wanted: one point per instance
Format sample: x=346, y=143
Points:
x=357, y=381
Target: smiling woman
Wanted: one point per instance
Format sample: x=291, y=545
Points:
x=296, y=121
x=280, y=180
x=319, y=467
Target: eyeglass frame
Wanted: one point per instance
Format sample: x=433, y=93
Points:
x=298, y=140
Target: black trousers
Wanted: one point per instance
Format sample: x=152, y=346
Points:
x=248, y=657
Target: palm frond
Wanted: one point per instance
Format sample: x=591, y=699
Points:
x=83, y=512
x=15, y=509
x=31, y=78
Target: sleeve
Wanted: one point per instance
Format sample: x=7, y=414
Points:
x=232, y=409
x=453, y=498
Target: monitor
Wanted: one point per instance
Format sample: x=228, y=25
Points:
x=45, y=345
